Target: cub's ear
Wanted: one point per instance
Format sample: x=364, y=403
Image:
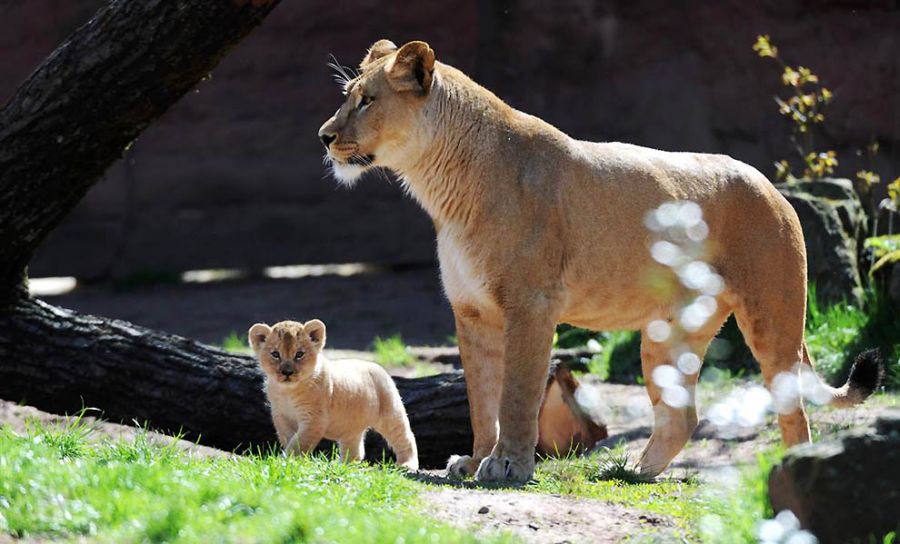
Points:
x=316, y=331
x=257, y=336
x=379, y=49
x=411, y=69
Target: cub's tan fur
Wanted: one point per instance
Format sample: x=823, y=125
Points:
x=313, y=398
x=536, y=228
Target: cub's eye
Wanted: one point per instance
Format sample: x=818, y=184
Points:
x=275, y=355
x=365, y=101
x=298, y=356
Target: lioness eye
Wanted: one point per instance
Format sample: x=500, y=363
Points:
x=365, y=101
x=298, y=356
x=276, y=355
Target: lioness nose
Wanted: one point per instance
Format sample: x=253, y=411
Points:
x=327, y=138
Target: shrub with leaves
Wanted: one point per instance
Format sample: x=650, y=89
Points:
x=803, y=106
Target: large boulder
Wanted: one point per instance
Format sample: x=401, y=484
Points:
x=833, y=221
x=844, y=490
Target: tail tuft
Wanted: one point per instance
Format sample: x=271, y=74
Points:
x=866, y=375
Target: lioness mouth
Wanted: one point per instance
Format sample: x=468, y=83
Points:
x=359, y=160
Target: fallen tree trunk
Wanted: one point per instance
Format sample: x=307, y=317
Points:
x=62, y=361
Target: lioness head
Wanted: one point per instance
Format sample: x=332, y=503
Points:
x=288, y=351
x=377, y=119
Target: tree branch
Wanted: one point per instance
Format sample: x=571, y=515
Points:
x=76, y=114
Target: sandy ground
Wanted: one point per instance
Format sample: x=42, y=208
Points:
x=544, y=518
x=410, y=302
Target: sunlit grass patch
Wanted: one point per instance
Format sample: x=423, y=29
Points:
x=732, y=512
x=837, y=333
x=714, y=512
x=392, y=352
x=57, y=483
x=236, y=343
x=609, y=475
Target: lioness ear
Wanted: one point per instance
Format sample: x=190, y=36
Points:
x=316, y=331
x=411, y=69
x=381, y=48
x=257, y=336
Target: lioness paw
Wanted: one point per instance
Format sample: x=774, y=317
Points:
x=505, y=469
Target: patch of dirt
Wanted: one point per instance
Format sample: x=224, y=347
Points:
x=539, y=518
x=544, y=518
x=709, y=456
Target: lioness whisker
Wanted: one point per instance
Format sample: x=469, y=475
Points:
x=343, y=73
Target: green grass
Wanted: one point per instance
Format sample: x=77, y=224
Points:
x=236, y=343
x=391, y=352
x=711, y=513
x=838, y=333
x=62, y=484
x=611, y=477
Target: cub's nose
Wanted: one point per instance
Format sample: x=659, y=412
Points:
x=287, y=371
x=326, y=138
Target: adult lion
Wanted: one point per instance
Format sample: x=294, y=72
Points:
x=535, y=228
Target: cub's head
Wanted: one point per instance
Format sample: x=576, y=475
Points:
x=288, y=351
x=380, y=108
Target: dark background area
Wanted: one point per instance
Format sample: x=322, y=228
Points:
x=232, y=176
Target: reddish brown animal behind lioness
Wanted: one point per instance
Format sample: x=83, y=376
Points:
x=535, y=228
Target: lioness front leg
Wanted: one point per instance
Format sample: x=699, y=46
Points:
x=528, y=337
x=481, y=351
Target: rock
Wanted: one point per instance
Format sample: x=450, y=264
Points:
x=843, y=490
x=833, y=221
x=484, y=510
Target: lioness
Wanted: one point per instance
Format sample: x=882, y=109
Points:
x=535, y=228
x=313, y=398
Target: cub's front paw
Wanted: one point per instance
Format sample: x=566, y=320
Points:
x=461, y=466
x=505, y=469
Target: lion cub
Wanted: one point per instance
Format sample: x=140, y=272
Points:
x=313, y=398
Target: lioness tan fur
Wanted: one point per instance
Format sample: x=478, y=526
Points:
x=535, y=228
x=313, y=398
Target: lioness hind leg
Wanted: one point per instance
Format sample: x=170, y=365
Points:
x=673, y=425
x=776, y=340
x=481, y=351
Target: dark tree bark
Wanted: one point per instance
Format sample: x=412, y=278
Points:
x=76, y=114
x=63, y=361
